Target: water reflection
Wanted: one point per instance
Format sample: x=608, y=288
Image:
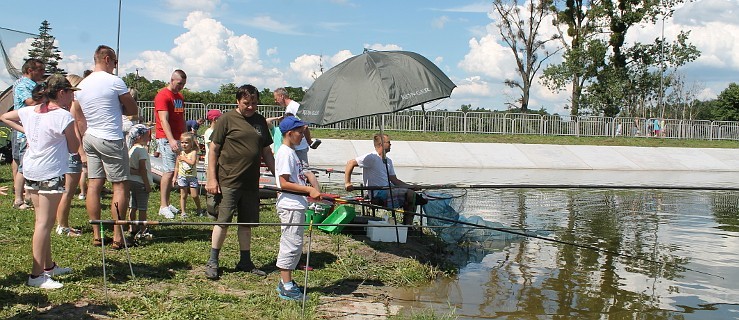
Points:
x=535, y=278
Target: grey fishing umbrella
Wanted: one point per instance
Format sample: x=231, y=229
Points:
x=374, y=82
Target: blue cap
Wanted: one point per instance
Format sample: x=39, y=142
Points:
x=291, y=123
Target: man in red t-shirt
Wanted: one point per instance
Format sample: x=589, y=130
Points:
x=169, y=106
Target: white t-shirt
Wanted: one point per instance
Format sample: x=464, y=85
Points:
x=374, y=172
x=100, y=105
x=206, y=138
x=292, y=108
x=135, y=154
x=287, y=162
x=47, y=155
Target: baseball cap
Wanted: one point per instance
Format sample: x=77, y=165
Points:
x=56, y=82
x=290, y=123
x=213, y=114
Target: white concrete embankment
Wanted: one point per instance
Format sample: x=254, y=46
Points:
x=335, y=153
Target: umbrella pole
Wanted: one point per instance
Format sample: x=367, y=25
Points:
x=389, y=185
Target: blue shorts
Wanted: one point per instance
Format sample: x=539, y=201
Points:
x=397, y=201
x=75, y=164
x=168, y=156
x=18, y=145
x=191, y=182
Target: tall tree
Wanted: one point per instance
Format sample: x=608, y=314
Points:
x=615, y=74
x=583, y=51
x=519, y=27
x=43, y=48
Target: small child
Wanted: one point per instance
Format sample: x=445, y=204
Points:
x=291, y=207
x=185, y=172
x=212, y=115
x=140, y=180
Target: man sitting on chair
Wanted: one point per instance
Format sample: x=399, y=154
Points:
x=376, y=174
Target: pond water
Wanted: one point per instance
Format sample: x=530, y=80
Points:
x=535, y=278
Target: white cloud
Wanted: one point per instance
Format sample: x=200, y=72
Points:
x=269, y=24
x=192, y=5
x=439, y=22
x=210, y=54
x=438, y=60
x=306, y=68
x=272, y=51
x=488, y=57
x=383, y=47
x=478, y=7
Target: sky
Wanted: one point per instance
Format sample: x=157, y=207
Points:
x=280, y=43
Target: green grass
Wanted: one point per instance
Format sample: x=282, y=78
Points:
x=169, y=281
x=525, y=139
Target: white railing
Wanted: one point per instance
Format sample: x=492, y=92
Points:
x=501, y=123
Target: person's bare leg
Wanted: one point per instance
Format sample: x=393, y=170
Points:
x=165, y=186
x=120, y=196
x=195, y=195
x=183, y=199
x=92, y=202
x=409, y=207
x=45, y=207
x=218, y=236
x=83, y=182
x=70, y=184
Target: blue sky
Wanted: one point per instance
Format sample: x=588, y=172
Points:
x=279, y=43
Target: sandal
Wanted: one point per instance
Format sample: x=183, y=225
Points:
x=99, y=242
x=21, y=205
x=117, y=245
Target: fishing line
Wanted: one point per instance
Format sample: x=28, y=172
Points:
x=553, y=186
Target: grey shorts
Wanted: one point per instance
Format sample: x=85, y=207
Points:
x=167, y=155
x=53, y=185
x=75, y=164
x=106, y=159
x=241, y=201
x=139, y=197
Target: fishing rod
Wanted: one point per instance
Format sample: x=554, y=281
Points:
x=551, y=186
x=329, y=171
x=524, y=234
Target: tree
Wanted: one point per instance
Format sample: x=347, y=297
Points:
x=583, y=51
x=43, y=48
x=610, y=73
x=727, y=104
x=521, y=32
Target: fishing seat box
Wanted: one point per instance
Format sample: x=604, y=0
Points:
x=342, y=214
x=318, y=212
x=382, y=233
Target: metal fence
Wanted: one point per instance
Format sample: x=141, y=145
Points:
x=502, y=123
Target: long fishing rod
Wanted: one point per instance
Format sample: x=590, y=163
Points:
x=583, y=246
x=553, y=186
x=332, y=170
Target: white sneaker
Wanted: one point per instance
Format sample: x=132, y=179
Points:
x=173, y=209
x=57, y=270
x=166, y=213
x=44, y=281
x=183, y=215
x=81, y=196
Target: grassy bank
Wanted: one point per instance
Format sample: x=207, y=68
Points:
x=525, y=139
x=169, y=281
